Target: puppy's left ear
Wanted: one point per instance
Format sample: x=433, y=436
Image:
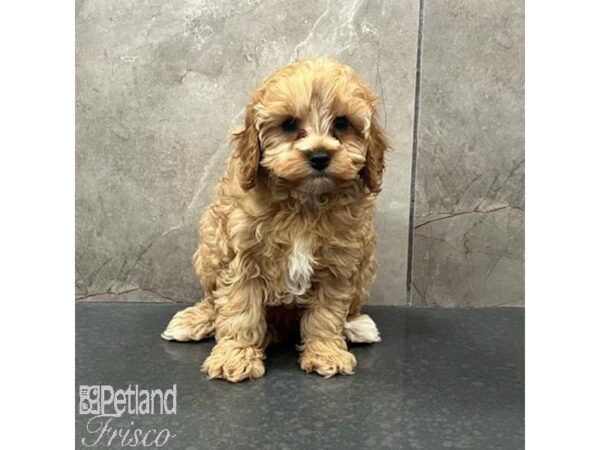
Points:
x=377, y=144
x=247, y=151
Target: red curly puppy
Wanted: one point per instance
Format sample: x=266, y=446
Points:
x=289, y=235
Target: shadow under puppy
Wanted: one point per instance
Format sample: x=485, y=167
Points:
x=288, y=239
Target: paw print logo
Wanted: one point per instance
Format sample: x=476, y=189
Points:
x=89, y=399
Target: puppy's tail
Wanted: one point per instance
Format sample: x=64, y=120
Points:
x=361, y=329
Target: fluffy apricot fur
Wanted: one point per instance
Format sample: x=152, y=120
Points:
x=285, y=246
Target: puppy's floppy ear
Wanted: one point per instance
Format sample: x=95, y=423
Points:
x=377, y=144
x=247, y=151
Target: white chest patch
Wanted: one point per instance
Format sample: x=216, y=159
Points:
x=300, y=268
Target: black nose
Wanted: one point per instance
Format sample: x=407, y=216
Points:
x=319, y=160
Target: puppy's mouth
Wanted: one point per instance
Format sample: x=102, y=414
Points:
x=318, y=183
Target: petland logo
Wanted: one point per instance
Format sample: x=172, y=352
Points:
x=105, y=404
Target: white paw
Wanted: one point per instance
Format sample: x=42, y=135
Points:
x=191, y=324
x=362, y=329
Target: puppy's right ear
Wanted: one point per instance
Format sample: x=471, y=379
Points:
x=247, y=151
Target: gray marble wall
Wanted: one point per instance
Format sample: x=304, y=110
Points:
x=469, y=182
x=161, y=84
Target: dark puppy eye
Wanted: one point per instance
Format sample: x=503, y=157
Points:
x=340, y=123
x=289, y=125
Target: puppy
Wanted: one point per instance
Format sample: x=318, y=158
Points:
x=288, y=240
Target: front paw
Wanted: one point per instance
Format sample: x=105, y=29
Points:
x=328, y=361
x=234, y=362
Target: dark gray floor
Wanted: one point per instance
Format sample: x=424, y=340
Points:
x=441, y=378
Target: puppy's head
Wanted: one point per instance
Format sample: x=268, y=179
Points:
x=312, y=127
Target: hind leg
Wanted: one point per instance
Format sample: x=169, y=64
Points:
x=192, y=324
x=360, y=327
x=198, y=322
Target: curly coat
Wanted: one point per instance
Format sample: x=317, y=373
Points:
x=284, y=245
